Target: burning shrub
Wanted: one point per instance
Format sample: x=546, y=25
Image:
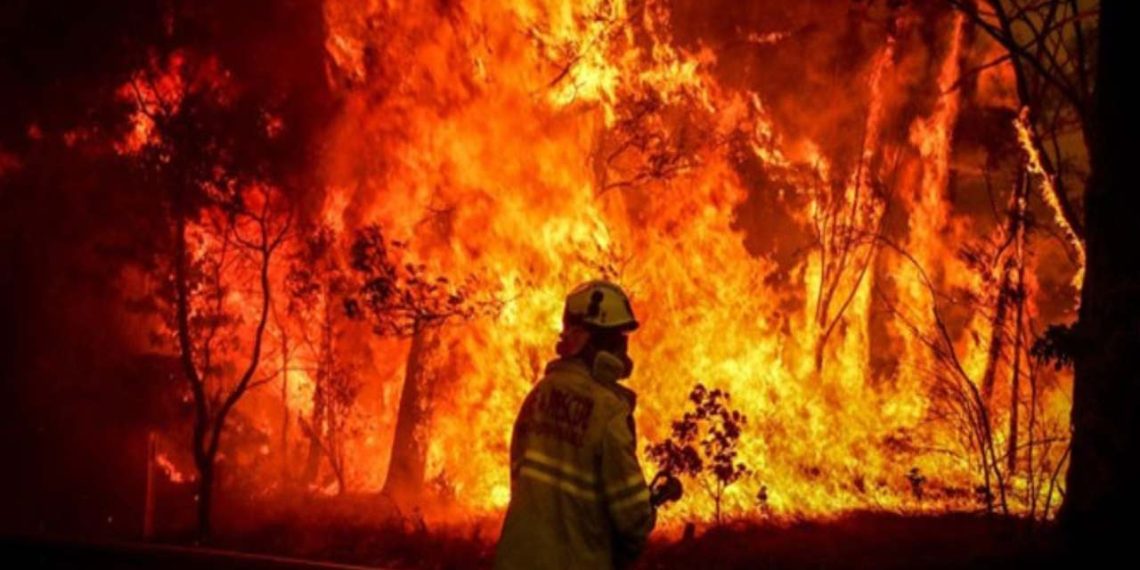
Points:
x=704, y=444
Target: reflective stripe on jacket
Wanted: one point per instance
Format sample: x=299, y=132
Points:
x=578, y=496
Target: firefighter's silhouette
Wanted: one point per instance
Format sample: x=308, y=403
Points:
x=578, y=496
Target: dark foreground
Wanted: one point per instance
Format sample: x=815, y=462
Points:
x=868, y=541
x=49, y=553
x=857, y=541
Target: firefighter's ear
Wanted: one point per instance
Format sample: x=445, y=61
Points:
x=610, y=367
x=572, y=340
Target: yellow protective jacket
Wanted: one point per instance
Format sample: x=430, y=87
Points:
x=578, y=497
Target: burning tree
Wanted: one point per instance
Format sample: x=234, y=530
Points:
x=1049, y=45
x=846, y=217
x=208, y=326
x=704, y=444
x=205, y=146
x=959, y=398
x=319, y=284
x=1065, y=58
x=1001, y=262
x=968, y=401
x=400, y=299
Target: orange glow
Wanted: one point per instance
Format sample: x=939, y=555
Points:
x=1049, y=193
x=542, y=143
x=170, y=470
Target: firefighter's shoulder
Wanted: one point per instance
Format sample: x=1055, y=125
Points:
x=611, y=402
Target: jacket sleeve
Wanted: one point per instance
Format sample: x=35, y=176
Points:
x=625, y=491
x=518, y=433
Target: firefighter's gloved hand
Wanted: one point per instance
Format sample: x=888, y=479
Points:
x=665, y=488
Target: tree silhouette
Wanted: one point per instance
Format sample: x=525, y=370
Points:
x=704, y=444
x=201, y=148
x=318, y=283
x=400, y=299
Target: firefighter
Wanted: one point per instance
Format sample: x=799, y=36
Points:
x=578, y=496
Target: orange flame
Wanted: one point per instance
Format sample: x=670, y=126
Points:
x=543, y=143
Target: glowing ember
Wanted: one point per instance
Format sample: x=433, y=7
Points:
x=170, y=470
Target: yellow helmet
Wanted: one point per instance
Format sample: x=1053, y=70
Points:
x=599, y=304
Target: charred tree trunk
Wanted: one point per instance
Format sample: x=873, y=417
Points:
x=1036, y=472
x=203, y=460
x=205, y=498
x=313, y=429
x=1021, y=200
x=1007, y=294
x=997, y=341
x=405, y=479
x=317, y=428
x=211, y=411
x=1015, y=383
x=284, y=408
x=1101, y=483
x=336, y=462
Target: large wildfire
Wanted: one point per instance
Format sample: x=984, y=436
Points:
x=806, y=203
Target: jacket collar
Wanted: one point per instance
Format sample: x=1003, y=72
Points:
x=568, y=364
x=576, y=366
